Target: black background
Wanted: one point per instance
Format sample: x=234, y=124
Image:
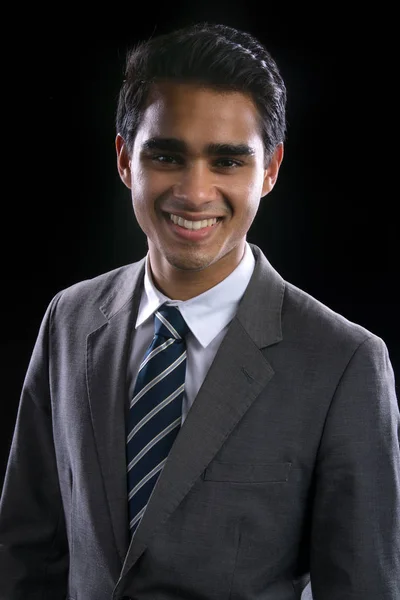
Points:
x=329, y=226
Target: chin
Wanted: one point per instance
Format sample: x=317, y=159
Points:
x=189, y=261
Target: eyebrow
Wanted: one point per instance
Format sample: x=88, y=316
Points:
x=176, y=145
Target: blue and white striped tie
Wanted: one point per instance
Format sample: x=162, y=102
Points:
x=156, y=409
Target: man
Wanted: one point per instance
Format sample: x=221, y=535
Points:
x=278, y=475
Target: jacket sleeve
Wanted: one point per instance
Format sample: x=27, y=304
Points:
x=355, y=540
x=33, y=541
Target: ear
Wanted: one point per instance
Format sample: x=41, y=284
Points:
x=271, y=172
x=123, y=161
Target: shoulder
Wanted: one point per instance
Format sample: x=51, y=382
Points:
x=100, y=296
x=323, y=344
x=297, y=315
x=323, y=331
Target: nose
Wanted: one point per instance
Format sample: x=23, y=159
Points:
x=195, y=185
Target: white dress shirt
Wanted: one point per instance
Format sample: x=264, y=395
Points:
x=207, y=315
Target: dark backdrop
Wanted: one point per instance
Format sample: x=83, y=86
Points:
x=328, y=226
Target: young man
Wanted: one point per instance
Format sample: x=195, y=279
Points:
x=261, y=460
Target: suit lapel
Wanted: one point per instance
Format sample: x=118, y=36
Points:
x=235, y=379
x=108, y=348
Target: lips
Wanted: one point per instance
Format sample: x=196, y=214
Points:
x=193, y=224
x=194, y=229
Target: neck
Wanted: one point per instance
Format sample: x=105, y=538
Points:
x=183, y=284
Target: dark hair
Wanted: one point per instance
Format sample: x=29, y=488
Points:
x=217, y=56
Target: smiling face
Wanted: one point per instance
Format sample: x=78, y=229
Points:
x=196, y=175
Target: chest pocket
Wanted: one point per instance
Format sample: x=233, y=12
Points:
x=245, y=473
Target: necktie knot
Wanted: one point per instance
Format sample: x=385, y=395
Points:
x=169, y=323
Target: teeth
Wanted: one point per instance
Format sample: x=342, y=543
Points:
x=192, y=224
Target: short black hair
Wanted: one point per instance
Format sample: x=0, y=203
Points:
x=214, y=55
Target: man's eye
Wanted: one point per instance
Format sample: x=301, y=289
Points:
x=228, y=163
x=168, y=159
x=164, y=158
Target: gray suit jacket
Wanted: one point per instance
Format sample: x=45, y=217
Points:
x=287, y=466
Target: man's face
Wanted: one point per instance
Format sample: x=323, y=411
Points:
x=197, y=175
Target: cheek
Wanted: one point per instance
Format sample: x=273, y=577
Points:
x=138, y=179
x=249, y=182
x=247, y=198
x=141, y=187
x=147, y=187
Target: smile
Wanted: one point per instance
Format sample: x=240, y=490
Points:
x=186, y=230
x=192, y=225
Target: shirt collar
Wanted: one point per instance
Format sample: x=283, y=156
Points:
x=207, y=314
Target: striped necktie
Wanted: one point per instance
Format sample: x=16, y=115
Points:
x=156, y=409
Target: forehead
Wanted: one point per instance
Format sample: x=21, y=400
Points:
x=200, y=114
